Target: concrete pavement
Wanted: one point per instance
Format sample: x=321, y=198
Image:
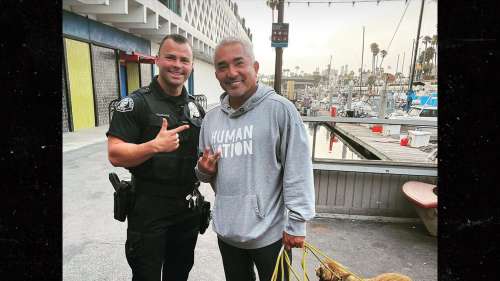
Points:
x=93, y=242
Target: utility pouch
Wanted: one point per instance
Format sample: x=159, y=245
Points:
x=124, y=197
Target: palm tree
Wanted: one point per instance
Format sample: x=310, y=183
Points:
x=370, y=82
x=427, y=39
x=383, y=53
x=375, y=50
x=428, y=55
x=272, y=4
x=434, y=44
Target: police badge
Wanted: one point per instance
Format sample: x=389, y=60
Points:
x=193, y=110
x=193, y=114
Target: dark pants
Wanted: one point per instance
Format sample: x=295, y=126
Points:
x=238, y=263
x=161, y=238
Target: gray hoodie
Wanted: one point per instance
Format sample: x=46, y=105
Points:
x=264, y=181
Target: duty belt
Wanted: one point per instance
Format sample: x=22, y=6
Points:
x=154, y=188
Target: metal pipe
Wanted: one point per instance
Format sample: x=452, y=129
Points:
x=362, y=53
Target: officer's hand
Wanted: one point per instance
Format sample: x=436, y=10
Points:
x=168, y=140
x=207, y=163
x=290, y=241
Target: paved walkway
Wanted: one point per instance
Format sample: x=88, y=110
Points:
x=84, y=137
x=93, y=242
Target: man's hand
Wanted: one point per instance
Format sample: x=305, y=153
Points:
x=207, y=163
x=290, y=241
x=168, y=140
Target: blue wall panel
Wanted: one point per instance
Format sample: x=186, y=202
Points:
x=87, y=29
x=123, y=81
x=75, y=25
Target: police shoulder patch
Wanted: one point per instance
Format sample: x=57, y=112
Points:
x=126, y=104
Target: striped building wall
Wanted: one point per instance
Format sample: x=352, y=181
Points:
x=106, y=83
x=65, y=118
x=357, y=193
x=146, y=74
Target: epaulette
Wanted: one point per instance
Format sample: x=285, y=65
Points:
x=144, y=90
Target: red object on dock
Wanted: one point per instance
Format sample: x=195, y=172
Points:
x=332, y=140
x=333, y=111
x=404, y=141
x=377, y=129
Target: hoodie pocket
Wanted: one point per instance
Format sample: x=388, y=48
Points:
x=237, y=217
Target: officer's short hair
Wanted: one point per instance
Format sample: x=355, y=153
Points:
x=247, y=46
x=177, y=38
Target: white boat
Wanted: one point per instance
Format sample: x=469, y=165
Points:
x=418, y=112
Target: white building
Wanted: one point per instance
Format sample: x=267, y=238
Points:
x=109, y=49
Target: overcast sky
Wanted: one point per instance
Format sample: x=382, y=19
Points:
x=318, y=31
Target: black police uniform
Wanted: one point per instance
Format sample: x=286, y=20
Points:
x=162, y=229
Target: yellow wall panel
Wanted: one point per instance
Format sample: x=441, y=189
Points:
x=80, y=84
x=132, y=76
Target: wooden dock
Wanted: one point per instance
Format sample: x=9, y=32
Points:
x=385, y=147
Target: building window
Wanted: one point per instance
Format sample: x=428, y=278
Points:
x=174, y=5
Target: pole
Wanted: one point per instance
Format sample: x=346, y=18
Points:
x=416, y=44
x=279, y=52
x=383, y=101
x=328, y=82
x=397, y=64
x=362, y=53
x=411, y=63
x=402, y=67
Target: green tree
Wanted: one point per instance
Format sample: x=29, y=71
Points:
x=429, y=54
x=370, y=82
x=273, y=4
x=434, y=44
x=427, y=39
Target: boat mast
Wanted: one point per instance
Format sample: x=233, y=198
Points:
x=416, y=46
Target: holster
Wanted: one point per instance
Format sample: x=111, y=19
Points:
x=124, y=197
x=203, y=207
x=205, y=216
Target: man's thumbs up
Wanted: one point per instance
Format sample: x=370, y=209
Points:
x=168, y=140
x=164, y=124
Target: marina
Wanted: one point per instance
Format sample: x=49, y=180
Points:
x=369, y=107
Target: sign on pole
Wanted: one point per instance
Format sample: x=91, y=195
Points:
x=279, y=36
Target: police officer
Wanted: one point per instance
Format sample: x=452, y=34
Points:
x=154, y=134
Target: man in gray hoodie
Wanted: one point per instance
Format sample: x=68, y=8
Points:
x=257, y=159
